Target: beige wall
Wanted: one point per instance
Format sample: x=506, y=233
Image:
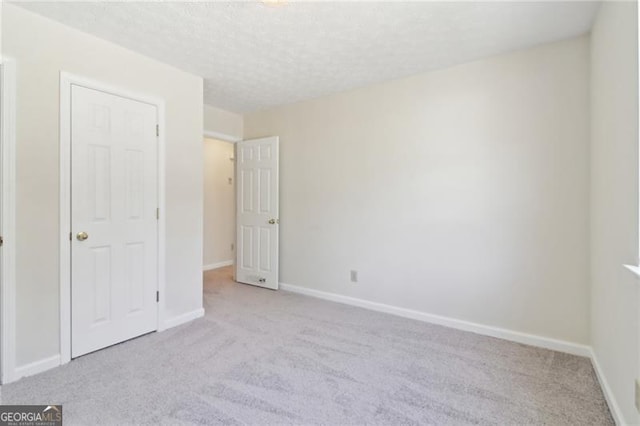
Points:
x=462, y=192
x=614, y=200
x=43, y=48
x=223, y=123
x=219, y=199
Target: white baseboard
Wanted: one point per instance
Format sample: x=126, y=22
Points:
x=36, y=367
x=515, y=336
x=501, y=333
x=606, y=389
x=55, y=361
x=182, y=319
x=217, y=265
x=529, y=339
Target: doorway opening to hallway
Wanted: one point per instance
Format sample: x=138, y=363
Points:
x=219, y=204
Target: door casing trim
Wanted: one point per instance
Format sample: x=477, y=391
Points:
x=221, y=136
x=66, y=81
x=8, y=225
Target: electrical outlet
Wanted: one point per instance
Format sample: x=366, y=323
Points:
x=230, y=181
x=232, y=246
x=638, y=394
x=354, y=276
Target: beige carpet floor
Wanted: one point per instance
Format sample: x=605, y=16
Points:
x=267, y=357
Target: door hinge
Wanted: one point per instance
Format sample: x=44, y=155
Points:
x=158, y=213
x=157, y=296
x=157, y=130
x=1, y=241
x=70, y=236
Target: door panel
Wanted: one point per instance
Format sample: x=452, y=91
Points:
x=114, y=190
x=257, y=210
x=134, y=276
x=101, y=283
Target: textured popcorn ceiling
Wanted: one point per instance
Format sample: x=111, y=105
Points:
x=254, y=56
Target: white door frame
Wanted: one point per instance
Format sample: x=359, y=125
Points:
x=8, y=224
x=66, y=81
x=221, y=136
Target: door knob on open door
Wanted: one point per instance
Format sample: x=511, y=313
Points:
x=272, y=221
x=82, y=236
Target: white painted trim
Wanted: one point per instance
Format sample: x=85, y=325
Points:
x=501, y=333
x=55, y=361
x=182, y=319
x=616, y=412
x=66, y=80
x=38, y=367
x=217, y=265
x=8, y=225
x=222, y=136
x=65, y=219
x=633, y=268
x=162, y=220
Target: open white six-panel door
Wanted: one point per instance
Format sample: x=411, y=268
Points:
x=257, y=222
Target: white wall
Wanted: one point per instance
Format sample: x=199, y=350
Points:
x=462, y=192
x=222, y=124
x=614, y=200
x=42, y=49
x=219, y=199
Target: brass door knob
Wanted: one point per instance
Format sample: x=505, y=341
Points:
x=82, y=236
x=272, y=221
